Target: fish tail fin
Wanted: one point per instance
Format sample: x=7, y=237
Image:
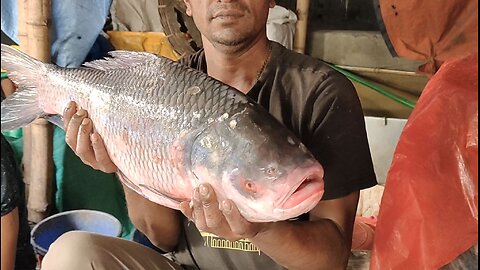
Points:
x=22, y=107
x=22, y=69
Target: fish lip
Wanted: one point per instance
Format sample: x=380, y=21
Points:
x=314, y=175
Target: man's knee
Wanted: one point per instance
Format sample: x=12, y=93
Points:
x=74, y=250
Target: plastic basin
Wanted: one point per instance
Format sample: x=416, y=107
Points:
x=51, y=228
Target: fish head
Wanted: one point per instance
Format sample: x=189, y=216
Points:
x=262, y=167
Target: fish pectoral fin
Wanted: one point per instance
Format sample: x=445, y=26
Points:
x=121, y=60
x=127, y=182
x=55, y=119
x=150, y=193
x=173, y=201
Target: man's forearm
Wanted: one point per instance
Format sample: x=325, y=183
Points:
x=10, y=225
x=160, y=224
x=304, y=245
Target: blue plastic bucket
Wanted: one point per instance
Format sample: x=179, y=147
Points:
x=51, y=228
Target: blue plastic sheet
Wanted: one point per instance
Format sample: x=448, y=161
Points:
x=75, y=27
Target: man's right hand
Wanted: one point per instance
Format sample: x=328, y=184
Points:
x=84, y=141
x=161, y=224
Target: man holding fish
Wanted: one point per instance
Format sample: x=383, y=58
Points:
x=317, y=104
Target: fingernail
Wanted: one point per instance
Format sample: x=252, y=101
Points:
x=226, y=206
x=94, y=138
x=69, y=106
x=204, y=191
x=196, y=194
x=85, y=122
x=80, y=113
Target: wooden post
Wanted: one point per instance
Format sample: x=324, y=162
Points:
x=37, y=28
x=301, y=27
x=40, y=170
x=27, y=137
x=22, y=25
x=40, y=200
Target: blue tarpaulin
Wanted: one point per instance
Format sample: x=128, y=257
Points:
x=75, y=27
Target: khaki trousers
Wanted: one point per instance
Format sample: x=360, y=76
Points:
x=81, y=250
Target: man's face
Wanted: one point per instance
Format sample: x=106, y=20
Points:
x=229, y=22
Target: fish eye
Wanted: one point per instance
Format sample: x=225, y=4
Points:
x=271, y=170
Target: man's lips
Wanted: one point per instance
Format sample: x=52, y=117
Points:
x=230, y=13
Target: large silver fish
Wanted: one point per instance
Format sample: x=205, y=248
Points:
x=169, y=128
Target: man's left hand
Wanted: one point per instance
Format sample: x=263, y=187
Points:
x=220, y=218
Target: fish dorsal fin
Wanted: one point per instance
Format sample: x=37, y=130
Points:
x=121, y=59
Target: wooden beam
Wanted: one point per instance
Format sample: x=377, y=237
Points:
x=302, y=26
x=27, y=137
x=39, y=170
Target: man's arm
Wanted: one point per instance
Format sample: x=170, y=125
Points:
x=160, y=224
x=9, y=230
x=323, y=242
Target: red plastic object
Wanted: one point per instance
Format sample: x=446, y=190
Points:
x=430, y=30
x=363, y=233
x=429, y=210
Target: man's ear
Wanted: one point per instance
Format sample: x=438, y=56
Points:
x=189, y=7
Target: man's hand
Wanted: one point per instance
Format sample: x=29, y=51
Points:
x=8, y=87
x=220, y=218
x=84, y=141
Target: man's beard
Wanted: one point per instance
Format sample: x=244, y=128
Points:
x=230, y=38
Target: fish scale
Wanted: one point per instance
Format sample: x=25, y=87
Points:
x=170, y=96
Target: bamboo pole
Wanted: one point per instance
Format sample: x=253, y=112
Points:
x=41, y=164
x=37, y=29
x=22, y=25
x=301, y=26
x=40, y=199
x=381, y=70
x=27, y=137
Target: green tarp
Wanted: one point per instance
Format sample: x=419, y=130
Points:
x=78, y=186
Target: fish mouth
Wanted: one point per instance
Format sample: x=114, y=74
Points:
x=306, y=193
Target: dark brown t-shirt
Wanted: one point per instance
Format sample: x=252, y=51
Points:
x=322, y=108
